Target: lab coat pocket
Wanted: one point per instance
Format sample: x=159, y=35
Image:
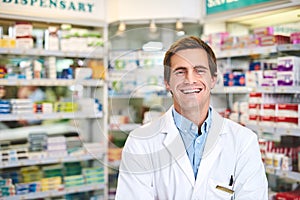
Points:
x=218, y=190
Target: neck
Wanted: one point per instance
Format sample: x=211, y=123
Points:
x=197, y=116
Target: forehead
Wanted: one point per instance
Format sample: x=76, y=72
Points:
x=188, y=57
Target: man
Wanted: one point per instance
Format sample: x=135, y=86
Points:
x=191, y=152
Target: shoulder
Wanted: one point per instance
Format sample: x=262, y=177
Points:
x=238, y=131
x=149, y=135
x=148, y=130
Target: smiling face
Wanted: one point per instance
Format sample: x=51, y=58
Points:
x=190, y=81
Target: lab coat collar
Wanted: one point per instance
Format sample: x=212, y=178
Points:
x=174, y=144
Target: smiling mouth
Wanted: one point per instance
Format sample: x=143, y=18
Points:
x=191, y=91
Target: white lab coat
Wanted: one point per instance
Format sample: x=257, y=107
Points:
x=155, y=164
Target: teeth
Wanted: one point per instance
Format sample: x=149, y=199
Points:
x=191, y=91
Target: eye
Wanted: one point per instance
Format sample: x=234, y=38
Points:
x=200, y=70
x=179, y=72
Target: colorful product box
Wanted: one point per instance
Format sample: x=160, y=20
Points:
x=254, y=109
x=254, y=78
x=24, y=42
x=255, y=66
x=268, y=40
x=258, y=32
x=23, y=29
x=254, y=119
x=255, y=98
x=295, y=38
x=234, y=79
x=292, y=195
x=287, y=122
x=267, y=121
x=268, y=110
x=288, y=71
x=288, y=110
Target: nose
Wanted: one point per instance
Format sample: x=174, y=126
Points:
x=191, y=77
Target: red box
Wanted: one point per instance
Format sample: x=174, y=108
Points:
x=293, y=195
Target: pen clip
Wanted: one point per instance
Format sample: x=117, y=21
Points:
x=231, y=181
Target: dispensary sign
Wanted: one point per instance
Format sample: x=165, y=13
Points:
x=66, y=9
x=217, y=6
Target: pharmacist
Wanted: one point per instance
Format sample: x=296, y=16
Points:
x=191, y=152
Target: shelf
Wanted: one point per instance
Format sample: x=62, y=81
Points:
x=263, y=89
x=52, y=82
x=275, y=130
x=97, y=53
x=47, y=160
x=56, y=193
x=284, y=174
x=45, y=116
x=233, y=89
x=288, y=90
x=288, y=47
x=241, y=52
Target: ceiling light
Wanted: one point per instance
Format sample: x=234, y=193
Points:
x=179, y=28
x=122, y=27
x=152, y=26
x=179, y=25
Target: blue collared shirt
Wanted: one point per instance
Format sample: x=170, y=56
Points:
x=193, y=142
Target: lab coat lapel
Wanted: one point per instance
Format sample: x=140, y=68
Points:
x=173, y=142
x=214, y=133
x=211, y=149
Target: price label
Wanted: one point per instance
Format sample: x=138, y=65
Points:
x=285, y=174
x=270, y=170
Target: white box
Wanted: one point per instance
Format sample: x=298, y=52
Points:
x=24, y=43
x=22, y=29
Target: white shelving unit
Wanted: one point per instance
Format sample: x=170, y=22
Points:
x=274, y=132
x=93, y=125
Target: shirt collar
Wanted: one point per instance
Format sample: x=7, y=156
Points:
x=187, y=126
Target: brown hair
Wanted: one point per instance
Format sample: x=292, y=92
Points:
x=190, y=42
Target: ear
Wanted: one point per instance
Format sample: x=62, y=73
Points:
x=213, y=81
x=167, y=85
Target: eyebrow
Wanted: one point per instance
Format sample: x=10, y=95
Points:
x=195, y=67
x=200, y=66
x=179, y=68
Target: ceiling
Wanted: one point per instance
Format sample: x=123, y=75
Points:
x=269, y=18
